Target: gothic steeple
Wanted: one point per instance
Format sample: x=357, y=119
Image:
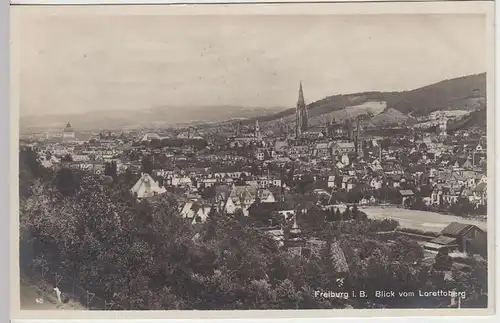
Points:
x=301, y=114
x=301, y=102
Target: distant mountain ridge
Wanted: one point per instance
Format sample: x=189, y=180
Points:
x=165, y=116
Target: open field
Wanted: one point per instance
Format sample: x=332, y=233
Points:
x=421, y=220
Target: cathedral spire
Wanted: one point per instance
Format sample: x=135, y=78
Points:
x=301, y=102
x=301, y=117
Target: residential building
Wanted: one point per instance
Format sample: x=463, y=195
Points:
x=146, y=187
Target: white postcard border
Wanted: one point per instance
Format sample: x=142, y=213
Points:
x=344, y=8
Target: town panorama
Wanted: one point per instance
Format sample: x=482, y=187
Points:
x=355, y=201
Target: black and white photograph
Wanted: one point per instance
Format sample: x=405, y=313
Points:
x=182, y=159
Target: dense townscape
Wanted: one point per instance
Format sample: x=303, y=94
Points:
x=255, y=214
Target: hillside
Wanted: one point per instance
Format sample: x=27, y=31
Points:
x=464, y=93
x=390, y=116
x=475, y=119
x=455, y=94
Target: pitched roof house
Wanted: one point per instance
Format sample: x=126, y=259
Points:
x=458, y=236
x=146, y=187
x=195, y=212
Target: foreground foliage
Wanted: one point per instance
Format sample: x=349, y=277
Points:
x=144, y=256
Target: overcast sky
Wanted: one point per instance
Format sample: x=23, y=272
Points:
x=72, y=65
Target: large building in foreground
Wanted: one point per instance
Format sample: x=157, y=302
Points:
x=301, y=117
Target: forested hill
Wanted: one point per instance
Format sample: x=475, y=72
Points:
x=458, y=93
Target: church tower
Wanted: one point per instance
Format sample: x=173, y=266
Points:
x=257, y=129
x=443, y=127
x=359, y=139
x=301, y=117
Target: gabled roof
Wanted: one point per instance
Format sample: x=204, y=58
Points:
x=431, y=245
x=222, y=190
x=345, y=144
x=322, y=145
x=352, y=180
x=146, y=186
x=455, y=229
x=265, y=207
x=443, y=240
x=481, y=187
x=247, y=192
x=406, y=192
x=286, y=205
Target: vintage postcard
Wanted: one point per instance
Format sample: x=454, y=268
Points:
x=249, y=159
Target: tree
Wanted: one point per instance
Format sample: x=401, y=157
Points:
x=355, y=212
x=347, y=215
x=481, y=209
x=304, y=184
x=474, y=283
x=383, y=225
x=354, y=196
x=330, y=216
x=462, y=207
x=114, y=170
x=30, y=170
x=209, y=192
x=238, y=214
x=406, y=250
x=338, y=215
x=418, y=204
x=147, y=165
x=243, y=177
x=443, y=261
x=110, y=169
x=146, y=256
x=67, y=182
x=67, y=158
x=28, y=161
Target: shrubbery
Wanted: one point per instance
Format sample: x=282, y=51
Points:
x=145, y=256
x=382, y=225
